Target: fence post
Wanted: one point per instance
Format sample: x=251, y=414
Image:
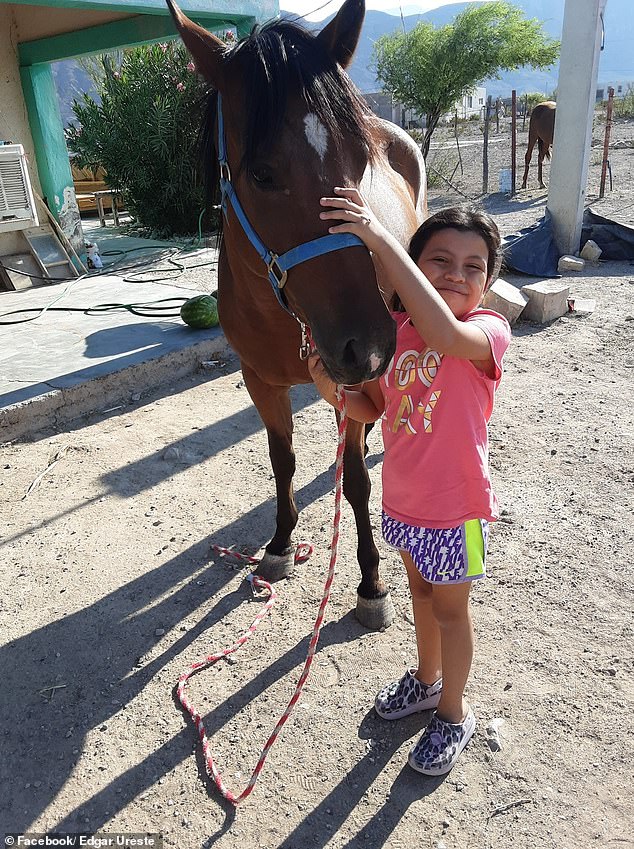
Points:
x=606, y=140
x=485, y=153
x=513, y=140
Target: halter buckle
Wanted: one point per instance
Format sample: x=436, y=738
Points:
x=305, y=346
x=225, y=172
x=278, y=273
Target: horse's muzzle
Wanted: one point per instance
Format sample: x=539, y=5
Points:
x=357, y=360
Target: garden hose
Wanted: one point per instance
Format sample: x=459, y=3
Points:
x=151, y=309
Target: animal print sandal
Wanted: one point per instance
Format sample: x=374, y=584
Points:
x=437, y=750
x=409, y=695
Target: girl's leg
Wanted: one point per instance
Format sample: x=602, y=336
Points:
x=427, y=630
x=450, y=608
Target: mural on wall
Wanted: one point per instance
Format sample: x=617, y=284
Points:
x=70, y=221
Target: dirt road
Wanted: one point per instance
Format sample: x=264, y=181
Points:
x=110, y=590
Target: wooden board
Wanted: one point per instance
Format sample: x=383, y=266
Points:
x=51, y=255
x=26, y=263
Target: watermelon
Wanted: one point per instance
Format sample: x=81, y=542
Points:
x=200, y=312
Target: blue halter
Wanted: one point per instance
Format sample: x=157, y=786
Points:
x=278, y=266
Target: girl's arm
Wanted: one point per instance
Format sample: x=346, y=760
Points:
x=363, y=405
x=430, y=315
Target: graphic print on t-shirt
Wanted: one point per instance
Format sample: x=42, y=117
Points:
x=413, y=373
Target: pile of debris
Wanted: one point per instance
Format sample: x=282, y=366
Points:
x=545, y=300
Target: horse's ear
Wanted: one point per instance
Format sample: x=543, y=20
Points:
x=206, y=49
x=341, y=35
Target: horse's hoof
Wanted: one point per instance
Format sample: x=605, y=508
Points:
x=375, y=613
x=274, y=567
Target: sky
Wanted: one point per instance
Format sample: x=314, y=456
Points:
x=317, y=10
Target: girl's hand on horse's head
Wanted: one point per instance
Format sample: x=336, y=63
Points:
x=356, y=217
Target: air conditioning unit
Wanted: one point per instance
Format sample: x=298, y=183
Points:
x=17, y=206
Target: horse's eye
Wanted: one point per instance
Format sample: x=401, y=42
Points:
x=262, y=175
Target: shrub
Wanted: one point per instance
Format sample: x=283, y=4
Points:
x=623, y=107
x=143, y=130
x=441, y=168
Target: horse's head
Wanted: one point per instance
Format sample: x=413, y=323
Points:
x=295, y=128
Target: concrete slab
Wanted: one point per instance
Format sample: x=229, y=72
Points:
x=570, y=263
x=66, y=364
x=506, y=299
x=547, y=300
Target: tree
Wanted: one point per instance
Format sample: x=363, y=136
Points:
x=533, y=99
x=430, y=69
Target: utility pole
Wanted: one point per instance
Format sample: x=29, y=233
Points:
x=576, y=94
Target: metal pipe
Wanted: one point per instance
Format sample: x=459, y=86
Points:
x=606, y=142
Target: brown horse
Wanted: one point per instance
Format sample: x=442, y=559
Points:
x=288, y=125
x=541, y=129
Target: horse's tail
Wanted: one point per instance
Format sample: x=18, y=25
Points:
x=544, y=149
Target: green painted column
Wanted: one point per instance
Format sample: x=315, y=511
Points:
x=245, y=26
x=50, y=150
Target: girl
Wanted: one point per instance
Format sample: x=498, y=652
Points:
x=435, y=400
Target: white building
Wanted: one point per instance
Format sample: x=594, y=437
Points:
x=472, y=103
x=621, y=88
x=385, y=106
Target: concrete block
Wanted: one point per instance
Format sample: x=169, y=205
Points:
x=591, y=251
x=570, y=263
x=547, y=300
x=506, y=299
x=582, y=306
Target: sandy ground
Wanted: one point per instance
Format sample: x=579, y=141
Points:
x=110, y=590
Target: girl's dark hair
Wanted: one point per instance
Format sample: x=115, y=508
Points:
x=466, y=219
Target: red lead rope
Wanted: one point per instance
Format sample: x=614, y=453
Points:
x=258, y=582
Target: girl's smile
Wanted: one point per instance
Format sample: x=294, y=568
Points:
x=455, y=263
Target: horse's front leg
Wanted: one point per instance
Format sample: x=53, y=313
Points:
x=274, y=406
x=374, y=604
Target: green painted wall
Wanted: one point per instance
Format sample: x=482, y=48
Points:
x=139, y=29
x=262, y=10
x=50, y=150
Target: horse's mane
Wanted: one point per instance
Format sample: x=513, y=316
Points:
x=275, y=60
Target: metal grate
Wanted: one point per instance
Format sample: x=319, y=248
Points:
x=13, y=194
x=17, y=206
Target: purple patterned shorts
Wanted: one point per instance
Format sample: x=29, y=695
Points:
x=442, y=555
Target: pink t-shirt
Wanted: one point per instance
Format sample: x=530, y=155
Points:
x=436, y=470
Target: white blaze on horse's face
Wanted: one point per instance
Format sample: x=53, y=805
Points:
x=316, y=135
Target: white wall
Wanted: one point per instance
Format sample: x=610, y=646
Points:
x=472, y=103
x=14, y=124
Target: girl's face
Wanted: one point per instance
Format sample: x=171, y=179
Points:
x=455, y=263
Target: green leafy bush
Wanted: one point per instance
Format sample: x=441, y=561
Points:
x=143, y=130
x=624, y=106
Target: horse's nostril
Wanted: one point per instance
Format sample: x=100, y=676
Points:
x=351, y=353
x=358, y=362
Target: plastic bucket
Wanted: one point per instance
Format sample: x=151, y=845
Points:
x=505, y=179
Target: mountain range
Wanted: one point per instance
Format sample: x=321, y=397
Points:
x=616, y=63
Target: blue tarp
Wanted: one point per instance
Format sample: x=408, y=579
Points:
x=615, y=240
x=533, y=250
